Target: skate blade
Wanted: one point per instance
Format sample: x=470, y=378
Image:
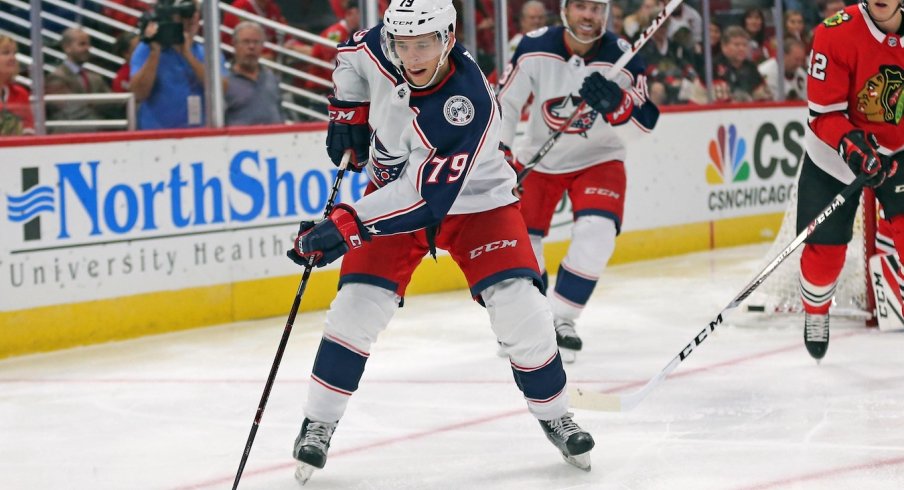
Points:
x=581, y=461
x=568, y=355
x=303, y=472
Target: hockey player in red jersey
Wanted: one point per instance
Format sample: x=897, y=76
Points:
x=561, y=67
x=421, y=118
x=855, y=84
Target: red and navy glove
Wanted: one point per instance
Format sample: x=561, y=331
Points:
x=348, y=130
x=860, y=150
x=607, y=98
x=329, y=239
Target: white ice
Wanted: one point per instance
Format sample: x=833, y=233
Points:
x=437, y=409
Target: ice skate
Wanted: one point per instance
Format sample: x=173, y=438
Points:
x=572, y=441
x=567, y=339
x=311, y=448
x=816, y=335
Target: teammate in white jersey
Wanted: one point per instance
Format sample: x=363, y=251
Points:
x=438, y=180
x=561, y=67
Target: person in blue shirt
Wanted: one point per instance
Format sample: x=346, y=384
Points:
x=168, y=80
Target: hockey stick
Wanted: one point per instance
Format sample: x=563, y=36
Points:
x=288, y=330
x=589, y=400
x=617, y=67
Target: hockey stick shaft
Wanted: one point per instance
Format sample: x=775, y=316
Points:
x=622, y=61
x=343, y=165
x=611, y=402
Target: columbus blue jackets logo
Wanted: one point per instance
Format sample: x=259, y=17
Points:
x=386, y=166
x=458, y=110
x=557, y=110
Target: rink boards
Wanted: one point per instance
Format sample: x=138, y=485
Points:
x=117, y=236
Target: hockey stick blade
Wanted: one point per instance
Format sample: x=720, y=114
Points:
x=597, y=401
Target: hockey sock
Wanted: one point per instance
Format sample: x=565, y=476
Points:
x=592, y=244
x=820, y=266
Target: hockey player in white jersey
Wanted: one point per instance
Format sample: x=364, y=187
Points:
x=561, y=67
x=438, y=179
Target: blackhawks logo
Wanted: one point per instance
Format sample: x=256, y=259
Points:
x=837, y=19
x=881, y=98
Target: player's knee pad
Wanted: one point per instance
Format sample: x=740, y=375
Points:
x=821, y=264
x=359, y=313
x=521, y=319
x=592, y=244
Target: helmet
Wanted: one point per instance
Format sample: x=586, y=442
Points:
x=564, y=3
x=417, y=18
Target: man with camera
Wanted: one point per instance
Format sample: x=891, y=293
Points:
x=168, y=67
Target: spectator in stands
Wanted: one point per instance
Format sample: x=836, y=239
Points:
x=124, y=47
x=670, y=71
x=755, y=25
x=794, y=71
x=252, y=96
x=339, y=7
x=830, y=7
x=15, y=110
x=617, y=19
x=735, y=77
x=685, y=16
x=532, y=17
x=71, y=77
x=263, y=8
x=119, y=14
x=794, y=27
x=336, y=33
x=169, y=80
x=641, y=18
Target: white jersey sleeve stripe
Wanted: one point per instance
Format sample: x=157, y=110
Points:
x=822, y=109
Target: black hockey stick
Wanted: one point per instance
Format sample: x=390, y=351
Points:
x=288, y=330
x=617, y=67
x=613, y=402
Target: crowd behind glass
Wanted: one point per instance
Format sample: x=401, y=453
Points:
x=167, y=83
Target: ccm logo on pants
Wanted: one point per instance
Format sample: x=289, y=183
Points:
x=489, y=247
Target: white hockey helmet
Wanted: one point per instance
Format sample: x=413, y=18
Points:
x=564, y=3
x=417, y=18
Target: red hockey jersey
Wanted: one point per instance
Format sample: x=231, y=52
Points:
x=856, y=78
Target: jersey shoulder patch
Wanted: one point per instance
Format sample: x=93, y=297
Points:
x=836, y=20
x=458, y=110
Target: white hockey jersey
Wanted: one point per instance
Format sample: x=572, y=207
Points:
x=433, y=152
x=544, y=66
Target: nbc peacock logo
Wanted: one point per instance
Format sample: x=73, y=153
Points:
x=726, y=153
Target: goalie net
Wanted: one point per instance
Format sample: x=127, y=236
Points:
x=780, y=293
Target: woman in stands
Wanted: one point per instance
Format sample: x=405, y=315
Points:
x=15, y=112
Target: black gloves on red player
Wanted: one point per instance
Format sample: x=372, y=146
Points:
x=329, y=239
x=348, y=130
x=607, y=98
x=860, y=150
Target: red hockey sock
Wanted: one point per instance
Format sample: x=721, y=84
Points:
x=820, y=266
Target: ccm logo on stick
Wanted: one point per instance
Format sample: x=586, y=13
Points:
x=489, y=247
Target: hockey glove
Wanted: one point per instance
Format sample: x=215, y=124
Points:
x=858, y=149
x=607, y=98
x=348, y=130
x=327, y=240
